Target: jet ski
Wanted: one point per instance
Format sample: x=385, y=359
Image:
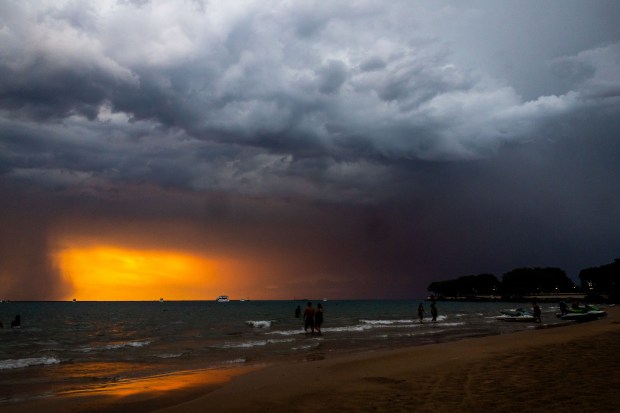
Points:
x=586, y=313
x=518, y=314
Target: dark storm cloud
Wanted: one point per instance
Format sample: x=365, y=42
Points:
x=248, y=77
x=441, y=129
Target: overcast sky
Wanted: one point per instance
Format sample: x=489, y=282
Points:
x=350, y=149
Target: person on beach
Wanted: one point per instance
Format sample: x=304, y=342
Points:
x=563, y=308
x=537, y=312
x=421, y=313
x=298, y=312
x=434, y=311
x=17, y=323
x=318, y=317
x=309, y=318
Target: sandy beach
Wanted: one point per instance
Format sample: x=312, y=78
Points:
x=569, y=368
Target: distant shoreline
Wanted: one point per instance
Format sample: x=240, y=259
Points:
x=554, y=298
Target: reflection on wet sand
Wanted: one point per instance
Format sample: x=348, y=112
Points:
x=136, y=395
x=150, y=386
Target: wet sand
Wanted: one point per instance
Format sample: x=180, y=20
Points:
x=570, y=368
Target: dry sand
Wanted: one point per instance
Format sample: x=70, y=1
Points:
x=572, y=368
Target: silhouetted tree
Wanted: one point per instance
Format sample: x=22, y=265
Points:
x=468, y=285
x=528, y=281
x=603, y=280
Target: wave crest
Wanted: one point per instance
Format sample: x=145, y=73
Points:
x=21, y=363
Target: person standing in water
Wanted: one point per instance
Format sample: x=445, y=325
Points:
x=421, y=313
x=318, y=317
x=537, y=312
x=434, y=311
x=309, y=318
x=298, y=312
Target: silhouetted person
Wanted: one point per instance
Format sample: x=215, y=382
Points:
x=563, y=308
x=298, y=312
x=434, y=311
x=421, y=312
x=1, y=325
x=318, y=317
x=309, y=317
x=17, y=322
x=536, y=309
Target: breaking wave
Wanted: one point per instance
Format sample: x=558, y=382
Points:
x=21, y=363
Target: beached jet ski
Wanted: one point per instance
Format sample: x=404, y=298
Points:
x=585, y=313
x=518, y=314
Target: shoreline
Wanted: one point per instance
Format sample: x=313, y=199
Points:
x=419, y=378
x=544, y=369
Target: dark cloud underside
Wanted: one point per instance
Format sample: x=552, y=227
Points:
x=377, y=145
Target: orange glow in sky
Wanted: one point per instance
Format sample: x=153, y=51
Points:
x=102, y=273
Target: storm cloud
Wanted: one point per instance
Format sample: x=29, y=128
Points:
x=432, y=139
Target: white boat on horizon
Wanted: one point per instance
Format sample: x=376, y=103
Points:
x=222, y=299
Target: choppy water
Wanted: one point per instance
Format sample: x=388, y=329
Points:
x=71, y=345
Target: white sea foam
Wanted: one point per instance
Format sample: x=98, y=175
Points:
x=347, y=329
x=360, y=327
x=364, y=325
x=255, y=343
x=386, y=322
x=398, y=323
x=461, y=323
x=116, y=346
x=169, y=355
x=235, y=361
x=306, y=346
x=21, y=363
x=286, y=332
x=259, y=324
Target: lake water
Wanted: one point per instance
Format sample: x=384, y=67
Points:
x=65, y=346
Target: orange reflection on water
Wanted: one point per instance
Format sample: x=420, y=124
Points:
x=113, y=273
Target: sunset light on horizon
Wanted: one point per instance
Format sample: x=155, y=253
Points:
x=108, y=273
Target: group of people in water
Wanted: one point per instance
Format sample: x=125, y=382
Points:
x=16, y=323
x=433, y=311
x=312, y=317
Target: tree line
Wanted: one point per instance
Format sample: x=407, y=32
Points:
x=603, y=282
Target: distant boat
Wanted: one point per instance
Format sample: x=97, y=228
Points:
x=222, y=299
x=161, y=300
x=74, y=300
